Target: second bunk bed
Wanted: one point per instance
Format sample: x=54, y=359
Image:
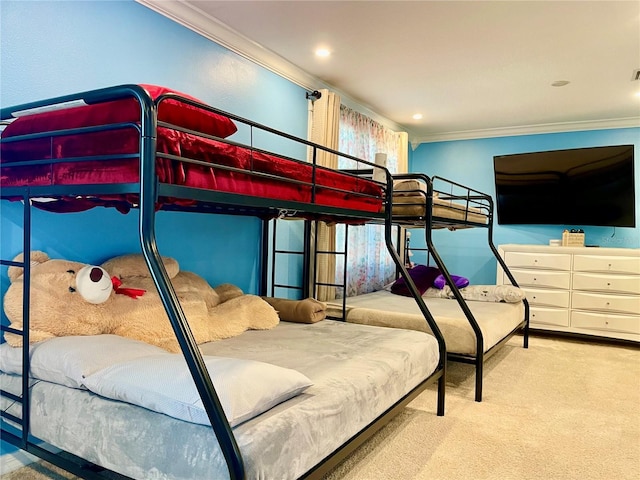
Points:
x=328, y=385
x=475, y=320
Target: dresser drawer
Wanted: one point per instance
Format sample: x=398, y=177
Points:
x=540, y=278
x=549, y=298
x=607, y=283
x=548, y=316
x=605, y=303
x=605, y=321
x=592, y=263
x=554, y=261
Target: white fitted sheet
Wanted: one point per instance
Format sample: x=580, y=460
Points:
x=386, y=309
x=358, y=372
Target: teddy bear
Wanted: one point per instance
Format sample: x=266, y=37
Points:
x=119, y=297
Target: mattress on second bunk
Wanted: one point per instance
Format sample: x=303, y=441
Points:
x=386, y=309
x=99, y=144
x=410, y=201
x=230, y=168
x=357, y=373
x=415, y=206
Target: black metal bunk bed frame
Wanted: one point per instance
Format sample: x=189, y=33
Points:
x=17, y=430
x=468, y=198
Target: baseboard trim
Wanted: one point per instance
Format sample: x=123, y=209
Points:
x=15, y=460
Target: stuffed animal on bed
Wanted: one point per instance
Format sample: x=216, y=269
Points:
x=120, y=298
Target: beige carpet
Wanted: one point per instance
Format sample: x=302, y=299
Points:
x=561, y=410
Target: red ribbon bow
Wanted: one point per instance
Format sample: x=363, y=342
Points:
x=130, y=292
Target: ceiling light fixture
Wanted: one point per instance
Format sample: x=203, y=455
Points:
x=417, y=116
x=323, y=52
x=560, y=83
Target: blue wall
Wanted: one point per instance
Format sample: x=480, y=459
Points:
x=470, y=162
x=56, y=48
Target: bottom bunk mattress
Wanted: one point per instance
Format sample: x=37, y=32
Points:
x=386, y=309
x=356, y=372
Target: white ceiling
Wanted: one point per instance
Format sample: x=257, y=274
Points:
x=472, y=68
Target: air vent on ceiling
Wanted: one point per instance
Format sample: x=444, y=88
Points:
x=636, y=74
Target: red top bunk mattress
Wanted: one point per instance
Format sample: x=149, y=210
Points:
x=109, y=156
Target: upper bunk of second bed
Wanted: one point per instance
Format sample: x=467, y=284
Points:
x=436, y=202
x=124, y=145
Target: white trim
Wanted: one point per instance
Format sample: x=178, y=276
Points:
x=193, y=18
x=629, y=122
x=213, y=29
x=15, y=460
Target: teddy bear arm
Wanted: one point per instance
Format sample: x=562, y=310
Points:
x=34, y=336
x=164, y=340
x=39, y=336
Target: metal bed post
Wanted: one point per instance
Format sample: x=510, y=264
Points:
x=416, y=295
x=264, y=256
x=479, y=357
x=195, y=362
x=512, y=279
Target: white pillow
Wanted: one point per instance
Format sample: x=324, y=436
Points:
x=163, y=383
x=481, y=293
x=68, y=360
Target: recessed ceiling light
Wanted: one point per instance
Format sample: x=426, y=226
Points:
x=560, y=83
x=417, y=116
x=323, y=52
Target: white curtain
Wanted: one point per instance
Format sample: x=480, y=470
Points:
x=324, y=115
x=369, y=265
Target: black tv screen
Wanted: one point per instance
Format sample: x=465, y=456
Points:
x=581, y=186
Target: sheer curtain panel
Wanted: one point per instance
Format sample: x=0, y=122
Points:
x=369, y=265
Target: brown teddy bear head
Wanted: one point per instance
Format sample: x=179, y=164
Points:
x=63, y=295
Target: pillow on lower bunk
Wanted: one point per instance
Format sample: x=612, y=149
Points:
x=68, y=360
x=482, y=293
x=422, y=276
x=163, y=383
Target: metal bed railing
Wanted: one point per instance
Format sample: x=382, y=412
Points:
x=149, y=191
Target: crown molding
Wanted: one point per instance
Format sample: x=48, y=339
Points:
x=629, y=122
x=213, y=29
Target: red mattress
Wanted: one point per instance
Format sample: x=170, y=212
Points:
x=332, y=188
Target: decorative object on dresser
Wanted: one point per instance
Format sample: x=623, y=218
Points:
x=578, y=290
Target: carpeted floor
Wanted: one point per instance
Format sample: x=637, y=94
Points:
x=561, y=410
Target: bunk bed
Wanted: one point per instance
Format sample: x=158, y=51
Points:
x=148, y=148
x=475, y=321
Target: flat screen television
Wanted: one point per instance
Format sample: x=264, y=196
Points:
x=581, y=186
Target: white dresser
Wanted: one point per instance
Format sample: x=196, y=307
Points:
x=585, y=290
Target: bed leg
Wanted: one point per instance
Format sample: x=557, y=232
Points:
x=479, y=374
x=441, y=391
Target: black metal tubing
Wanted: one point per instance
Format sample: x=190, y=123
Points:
x=442, y=362
x=513, y=281
x=195, y=362
x=264, y=259
x=148, y=191
x=485, y=202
